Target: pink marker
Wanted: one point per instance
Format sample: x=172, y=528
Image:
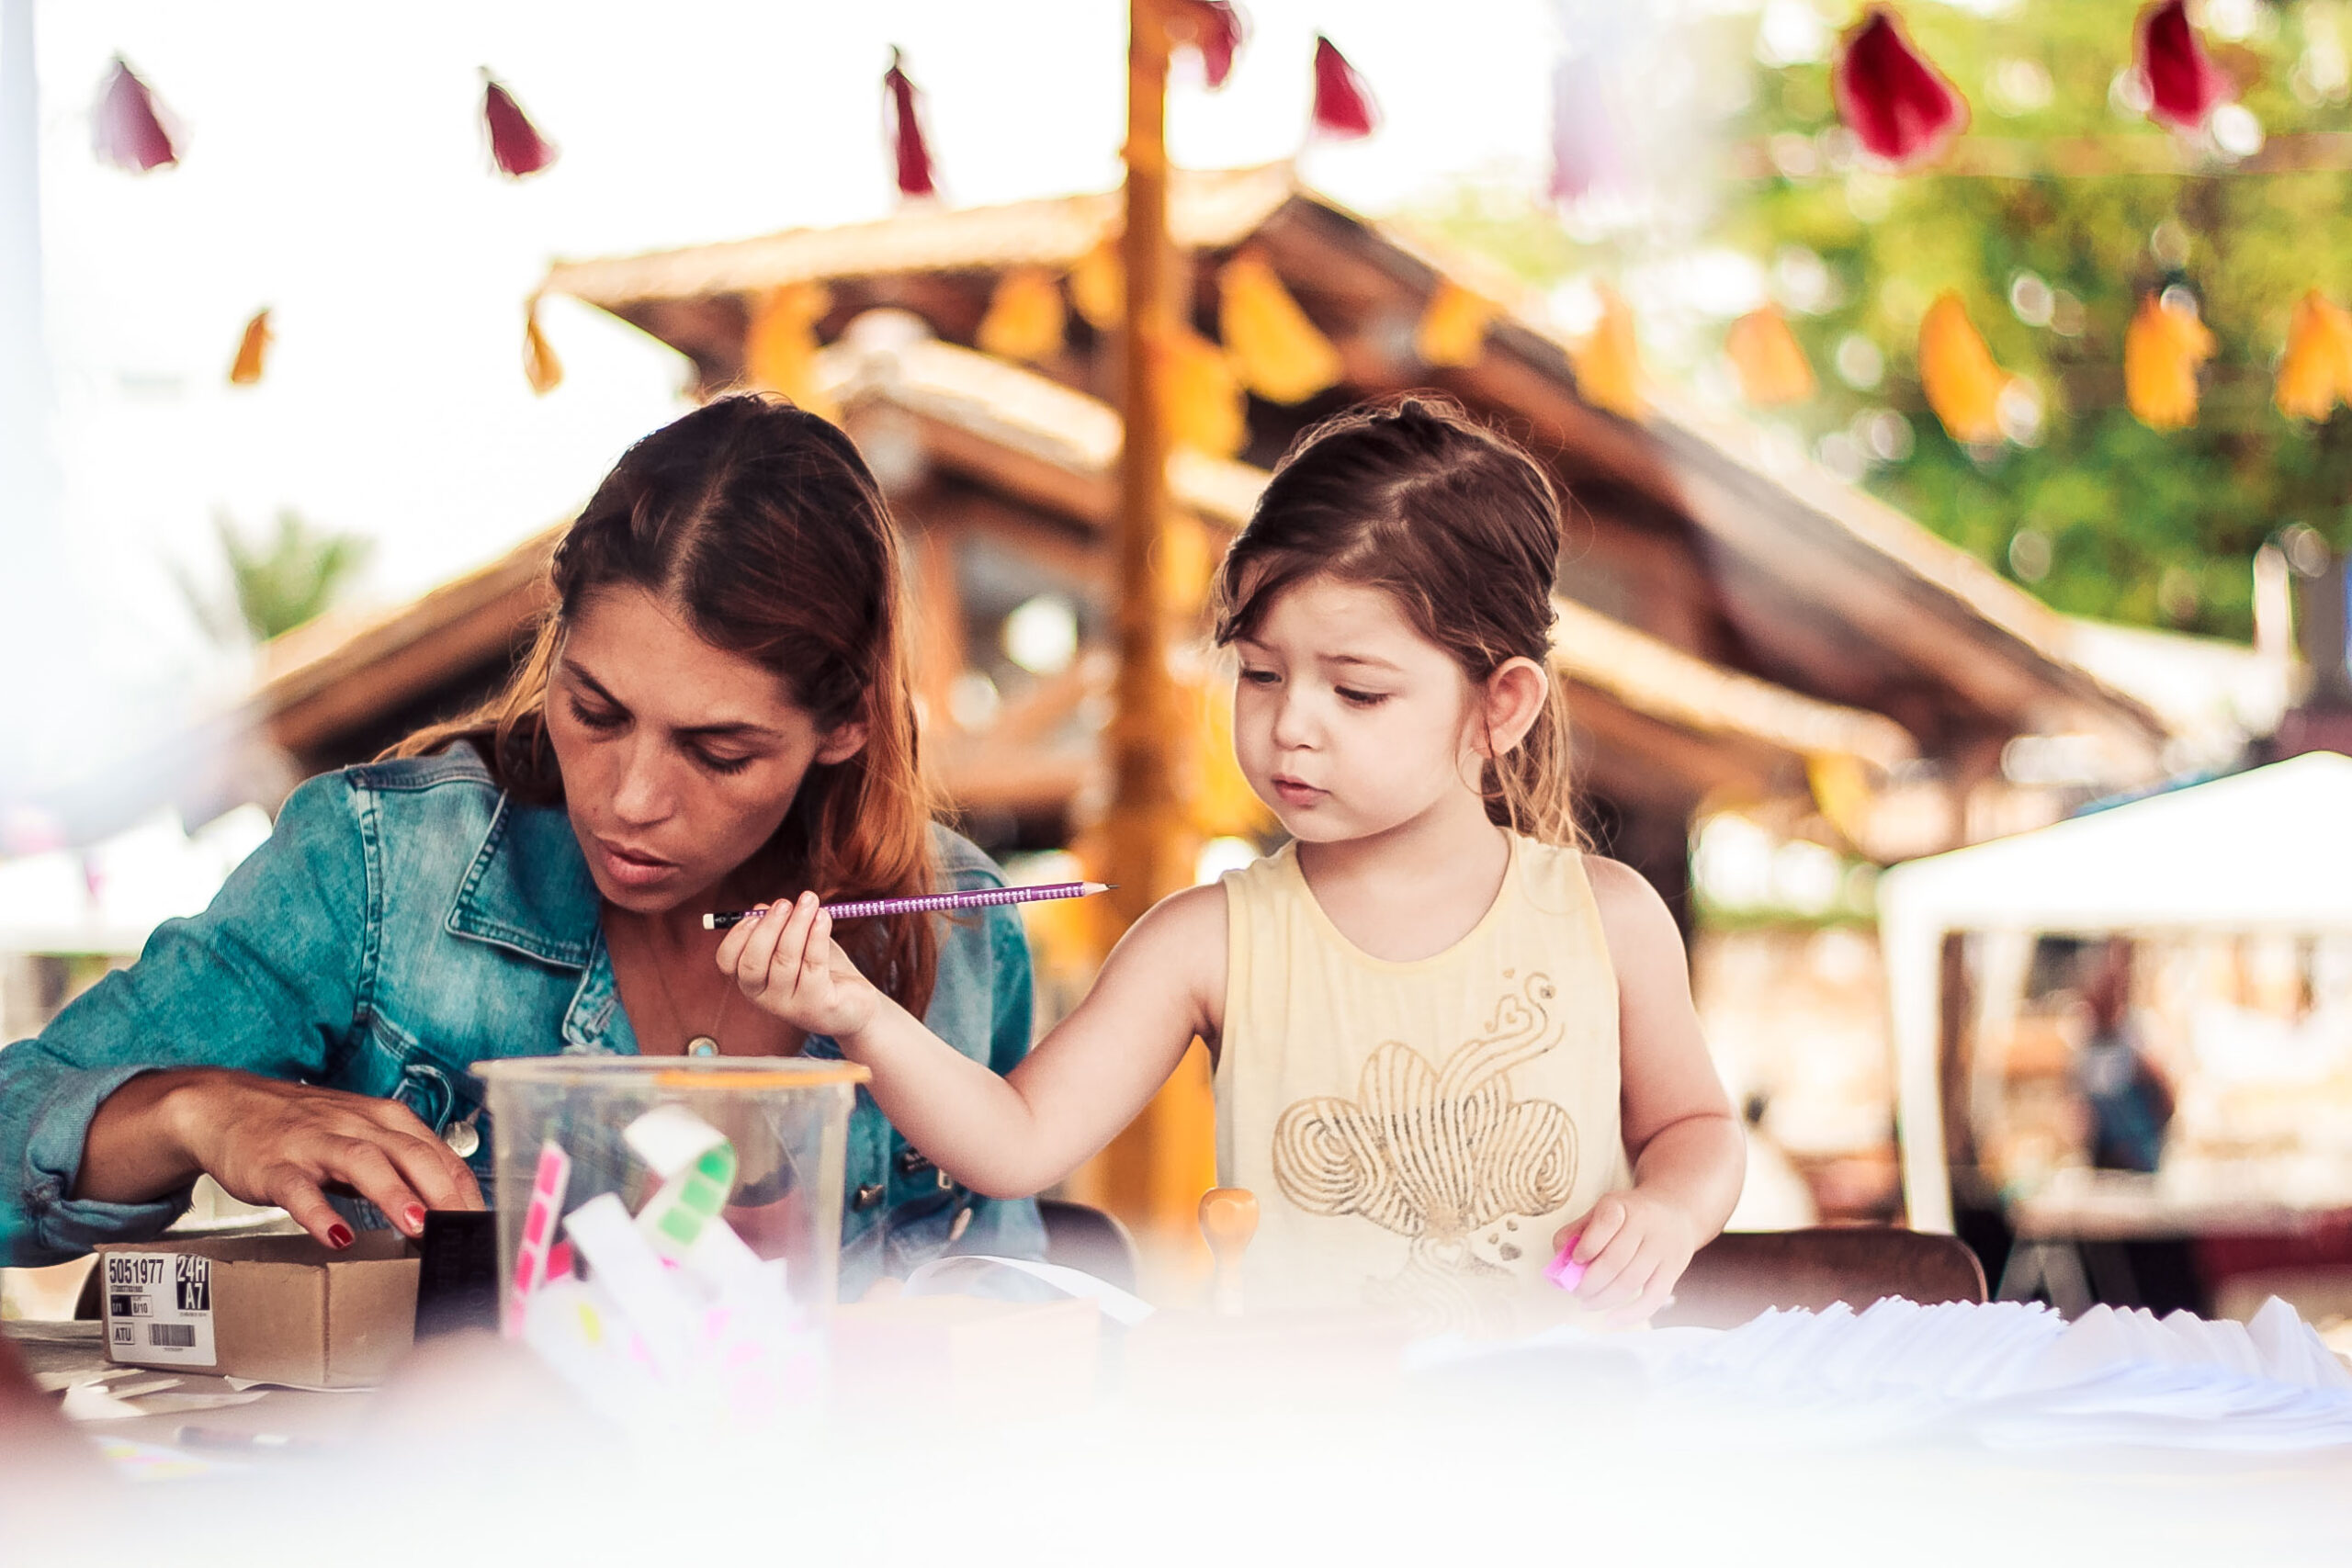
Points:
x=538, y=1230
x=1565, y=1270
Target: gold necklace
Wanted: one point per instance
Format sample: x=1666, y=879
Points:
x=699, y=1044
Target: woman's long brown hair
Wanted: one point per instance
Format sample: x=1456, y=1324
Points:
x=762, y=524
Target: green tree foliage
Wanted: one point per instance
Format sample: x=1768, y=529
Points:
x=280, y=582
x=2096, y=512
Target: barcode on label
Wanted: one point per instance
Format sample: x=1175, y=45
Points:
x=181, y=1335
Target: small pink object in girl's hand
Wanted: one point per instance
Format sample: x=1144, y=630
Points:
x=1565, y=1270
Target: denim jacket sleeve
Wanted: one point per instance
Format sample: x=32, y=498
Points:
x=270, y=979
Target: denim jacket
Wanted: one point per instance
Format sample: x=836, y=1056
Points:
x=407, y=919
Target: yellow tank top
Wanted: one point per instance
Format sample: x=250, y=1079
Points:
x=1417, y=1132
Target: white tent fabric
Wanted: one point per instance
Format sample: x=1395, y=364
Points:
x=2269, y=849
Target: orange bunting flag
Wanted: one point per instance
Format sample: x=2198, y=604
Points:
x=1956, y=370
x=541, y=367
x=515, y=144
x=1609, y=365
x=1098, y=286
x=1771, y=364
x=1343, y=108
x=1279, y=354
x=2161, y=350
x=780, y=349
x=1452, y=330
x=908, y=149
x=1024, y=320
x=2315, y=373
x=1202, y=402
x=127, y=131
x=246, y=369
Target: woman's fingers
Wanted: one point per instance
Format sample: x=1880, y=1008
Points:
x=430, y=1165
x=308, y=1207
x=439, y=1176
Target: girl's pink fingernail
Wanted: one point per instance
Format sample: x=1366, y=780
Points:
x=338, y=1236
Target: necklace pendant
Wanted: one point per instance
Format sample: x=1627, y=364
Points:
x=702, y=1045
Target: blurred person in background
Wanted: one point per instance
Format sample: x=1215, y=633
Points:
x=2128, y=1097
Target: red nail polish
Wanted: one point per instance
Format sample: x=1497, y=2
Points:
x=338, y=1236
x=416, y=1216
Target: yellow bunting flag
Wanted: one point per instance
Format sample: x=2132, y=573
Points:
x=1771, y=364
x=1203, y=403
x=250, y=350
x=1098, y=286
x=1956, y=370
x=1278, y=352
x=2161, y=350
x=1025, y=319
x=1609, y=366
x=2315, y=373
x=780, y=349
x=1453, y=325
x=541, y=367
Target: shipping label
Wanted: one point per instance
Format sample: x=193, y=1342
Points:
x=159, y=1307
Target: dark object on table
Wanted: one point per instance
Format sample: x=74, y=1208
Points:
x=1085, y=1238
x=457, y=1282
x=1741, y=1273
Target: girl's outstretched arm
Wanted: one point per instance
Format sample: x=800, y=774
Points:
x=1003, y=1137
x=1688, y=1154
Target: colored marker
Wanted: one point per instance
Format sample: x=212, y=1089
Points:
x=1565, y=1270
x=975, y=899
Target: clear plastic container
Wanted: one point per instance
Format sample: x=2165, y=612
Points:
x=669, y=1227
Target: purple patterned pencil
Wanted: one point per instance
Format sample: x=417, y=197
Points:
x=977, y=899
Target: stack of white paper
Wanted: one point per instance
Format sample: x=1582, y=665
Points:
x=2005, y=1373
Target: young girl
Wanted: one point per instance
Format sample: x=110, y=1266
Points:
x=1448, y=1043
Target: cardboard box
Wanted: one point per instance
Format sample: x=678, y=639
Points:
x=273, y=1308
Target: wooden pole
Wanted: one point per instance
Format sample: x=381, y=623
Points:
x=1153, y=1173
x=1142, y=827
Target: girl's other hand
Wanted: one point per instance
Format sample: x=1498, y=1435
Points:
x=1634, y=1246
x=789, y=965
x=283, y=1143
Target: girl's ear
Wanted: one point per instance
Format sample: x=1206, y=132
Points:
x=843, y=741
x=1512, y=701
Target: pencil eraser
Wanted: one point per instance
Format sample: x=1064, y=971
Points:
x=1565, y=1270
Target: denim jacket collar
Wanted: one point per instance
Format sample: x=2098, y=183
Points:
x=528, y=889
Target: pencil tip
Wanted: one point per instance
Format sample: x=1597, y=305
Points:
x=711, y=922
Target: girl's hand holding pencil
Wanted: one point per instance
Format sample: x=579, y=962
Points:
x=789, y=965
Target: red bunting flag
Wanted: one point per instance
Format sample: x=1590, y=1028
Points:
x=1900, y=108
x=1344, y=107
x=1212, y=28
x=2184, y=85
x=515, y=142
x=128, y=130
x=907, y=143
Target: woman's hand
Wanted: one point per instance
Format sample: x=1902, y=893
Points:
x=789, y=965
x=274, y=1143
x=1633, y=1246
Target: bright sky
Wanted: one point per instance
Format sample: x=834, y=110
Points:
x=335, y=170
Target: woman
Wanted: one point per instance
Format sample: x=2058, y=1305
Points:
x=717, y=714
